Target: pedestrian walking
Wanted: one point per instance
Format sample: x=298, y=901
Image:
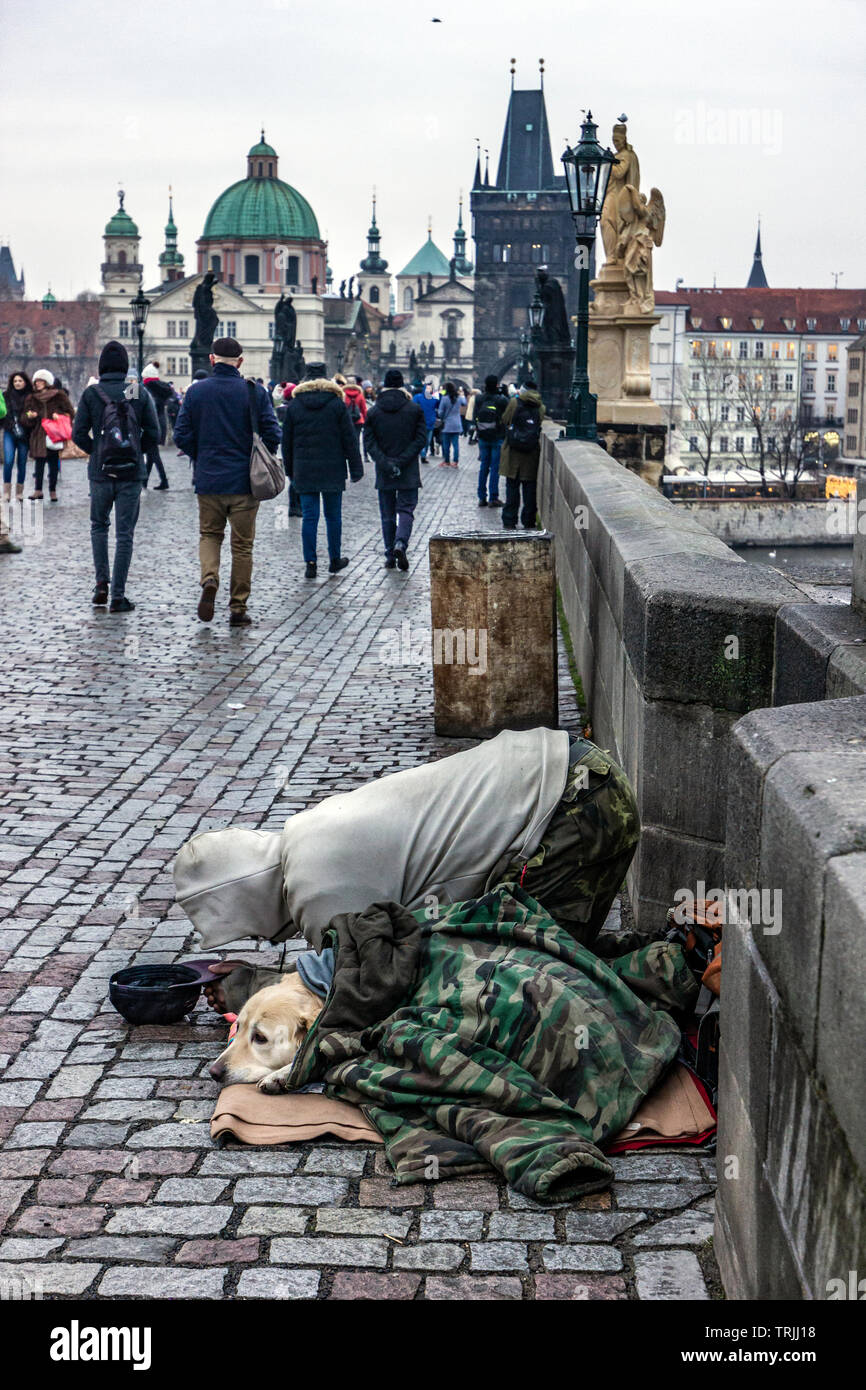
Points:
x=320, y=449
x=356, y=404
x=15, y=435
x=215, y=428
x=521, y=452
x=429, y=404
x=396, y=435
x=7, y=545
x=161, y=393
x=44, y=402
x=490, y=407
x=451, y=408
x=115, y=425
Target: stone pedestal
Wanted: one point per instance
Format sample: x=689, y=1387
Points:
x=555, y=369
x=200, y=362
x=619, y=353
x=493, y=641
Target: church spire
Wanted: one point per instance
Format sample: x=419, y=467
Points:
x=757, y=279
x=476, y=182
x=373, y=263
x=171, y=260
x=462, y=266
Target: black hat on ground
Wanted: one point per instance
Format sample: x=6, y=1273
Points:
x=113, y=358
x=226, y=347
x=393, y=377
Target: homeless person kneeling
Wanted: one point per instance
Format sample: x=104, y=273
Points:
x=539, y=809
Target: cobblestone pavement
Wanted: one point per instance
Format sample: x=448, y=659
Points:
x=122, y=736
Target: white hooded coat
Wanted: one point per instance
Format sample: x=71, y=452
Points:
x=440, y=830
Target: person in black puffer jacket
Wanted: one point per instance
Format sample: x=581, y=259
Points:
x=320, y=449
x=395, y=434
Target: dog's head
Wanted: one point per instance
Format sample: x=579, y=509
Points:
x=271, y=1027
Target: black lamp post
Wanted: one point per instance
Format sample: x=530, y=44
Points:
x=587, y=170
x=139, y=307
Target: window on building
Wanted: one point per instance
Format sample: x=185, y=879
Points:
x=854, y=362
x=771, y=413
x=789, y=381
x=861, y=325
x=497, y=251
x=693, y=412
x=693, y=443
x=755, y=444
x=743, y=349
x=759, y=348
x=774, y=350
x=741, y=414
x=172, y=365
x=771, y=443
x=739, y=443
x=121, y=258
x=374, y=294
x=536, y=252
x=725, y=414
x=711, y=347
x=293, y=270
x=726, y=348
x=251, y=269
x=759, y=381
x=853, y=388
x=808, y=381
x=171, y=328
x=832, y=352
x=408, y=299
x=790, y=352
x=851, y=443
x=183, y=366
x=696, y=378
x=183, y=328
x=696, y=347
x=506, y=252
x=831, y=383
x=123, y=328
x=774, y=381
x=810, y=324
x=271, y=330
x=852, y=415
x=806, y=408
x=844, y=324
x=811, y=353
x=216, y=264
x=227, y=328
x=723, y=443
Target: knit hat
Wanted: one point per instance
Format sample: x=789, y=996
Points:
x=44, y=375
x=113, y=358
x=393, y=377
x=226, y=347
x=150, y=372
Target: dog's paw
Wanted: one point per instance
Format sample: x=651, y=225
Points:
x=274, y=1082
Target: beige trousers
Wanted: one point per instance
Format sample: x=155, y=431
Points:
x=239, y=510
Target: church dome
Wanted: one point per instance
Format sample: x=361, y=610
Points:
x=261, y=206
x=121, y=224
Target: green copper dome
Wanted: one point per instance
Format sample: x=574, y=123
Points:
x=428, y=261
x=262, y=148
x=48, y=300
x=259, y=208
x=121, y=224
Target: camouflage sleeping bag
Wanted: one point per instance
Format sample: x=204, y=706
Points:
x=490, y=1036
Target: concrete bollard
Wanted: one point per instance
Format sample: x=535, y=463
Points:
x=493, y=641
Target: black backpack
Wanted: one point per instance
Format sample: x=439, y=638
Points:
x=524, y=432
x=354, y=410
x=487, y=419
x=118, y=448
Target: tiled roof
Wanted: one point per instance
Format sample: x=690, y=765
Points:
x=827, y=308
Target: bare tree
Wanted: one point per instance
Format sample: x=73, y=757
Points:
x=704, y=384
x=788, y=449
x=755, y=393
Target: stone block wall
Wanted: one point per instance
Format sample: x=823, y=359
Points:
x=739, y=712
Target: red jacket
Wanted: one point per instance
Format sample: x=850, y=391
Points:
x=354, y=394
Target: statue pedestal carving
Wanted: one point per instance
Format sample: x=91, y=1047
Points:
x=619, y=352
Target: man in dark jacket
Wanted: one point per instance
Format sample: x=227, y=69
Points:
x=123, y=495
x=215, y=428
x=162, y=394
x=489, y=409
x=320, y=448
x=395, y=435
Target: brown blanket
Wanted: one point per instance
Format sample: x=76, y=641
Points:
x=246, y=1113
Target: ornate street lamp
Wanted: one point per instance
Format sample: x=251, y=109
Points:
x=524, y=363
x=139, y=307
x=587, y=170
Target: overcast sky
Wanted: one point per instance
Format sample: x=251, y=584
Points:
x=735, y=109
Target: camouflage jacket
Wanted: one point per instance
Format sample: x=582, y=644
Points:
x=490, y=1036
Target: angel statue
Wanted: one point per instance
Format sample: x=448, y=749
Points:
x=643, y=226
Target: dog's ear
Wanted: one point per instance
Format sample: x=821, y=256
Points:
x=309, y=1008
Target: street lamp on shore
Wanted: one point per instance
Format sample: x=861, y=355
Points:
x=587, y=170
x=139, y=307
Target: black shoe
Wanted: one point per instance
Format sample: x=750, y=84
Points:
x=295, y=511
x=206, y=602
x=390, y=562
x=401, y=557
x=312, y=570
x=163, y=487
x=239, y=619
x=496, y=502
x=509, y=525
x=121, y=605
x=335, y=566
x=482, y=502
x=100, y=596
